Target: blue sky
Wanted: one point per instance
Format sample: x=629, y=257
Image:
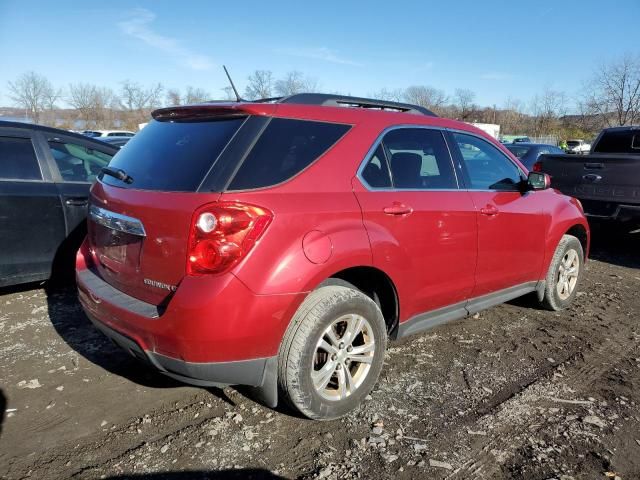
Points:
x=498, y=49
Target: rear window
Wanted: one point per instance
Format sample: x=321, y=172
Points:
x=173, y=156
x=285, y=148
x=518, y=151
x=620, y=141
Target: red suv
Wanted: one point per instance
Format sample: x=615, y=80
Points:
x=280, y=244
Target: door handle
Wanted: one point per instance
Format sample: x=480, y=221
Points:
x=77, y=201
x=489, y=210
x=397, y=209
x=593, y=166
x=592, y=177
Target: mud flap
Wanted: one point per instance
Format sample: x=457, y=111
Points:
x=267, y=392
x=540, y=288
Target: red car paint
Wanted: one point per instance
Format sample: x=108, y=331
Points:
x=438, y=248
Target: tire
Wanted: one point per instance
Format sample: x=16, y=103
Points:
x=561, y=289
x=332, y=313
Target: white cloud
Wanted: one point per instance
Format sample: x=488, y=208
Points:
x=139, y=26
x=319, y=53
x=496, y=76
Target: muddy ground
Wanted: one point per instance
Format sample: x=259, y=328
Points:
x=515, y=393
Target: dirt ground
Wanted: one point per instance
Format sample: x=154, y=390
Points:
x=515, y=393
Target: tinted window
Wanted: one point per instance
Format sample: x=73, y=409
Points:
x=285, y=148
x=487, y=167
x=518, y=150
x=173, y=156
x=78, y=163
x=618, y=141
x=376, y=171
x=419, y=159
x=18, y=159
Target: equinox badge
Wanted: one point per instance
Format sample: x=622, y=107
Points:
x=157, y=284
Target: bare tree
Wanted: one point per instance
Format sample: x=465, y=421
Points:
x=174, y=97
x=547, y=108
x=395, y=95
x=196, y=95
x=97, y=106
x=228, y=93
x=135, y=97
x=463, y=101
x=295, y=82
x=614, y=91
x=429, y=97
x=137, y=101
x=260, y=85
x=34, y=93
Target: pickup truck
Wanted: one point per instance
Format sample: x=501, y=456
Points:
x=578, y=147
x=607, y=181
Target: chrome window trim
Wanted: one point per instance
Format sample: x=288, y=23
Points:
x=378, y=141
x=117, y=221
x=473, y=134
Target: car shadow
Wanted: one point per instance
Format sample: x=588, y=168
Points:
x=242, y=473
x=614, y=244
x=73, y=326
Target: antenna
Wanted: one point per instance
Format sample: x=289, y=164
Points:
x=238, y=97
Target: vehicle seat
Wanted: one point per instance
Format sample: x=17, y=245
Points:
x=374, y=176
x=406, y=167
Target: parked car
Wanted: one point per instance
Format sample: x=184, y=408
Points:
x=279, y=245
x=528, y=153
x=607, y=182
x=521, y=140
x=108, y=133
x=579, y=147
x=45, y=175
x=115, y=140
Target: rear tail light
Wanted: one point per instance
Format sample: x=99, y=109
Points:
x=537, y=167
x=222, y=234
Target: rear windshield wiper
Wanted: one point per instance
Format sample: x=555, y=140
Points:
x=118, y=173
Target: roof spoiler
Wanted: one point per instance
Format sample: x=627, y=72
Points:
x=225, y=109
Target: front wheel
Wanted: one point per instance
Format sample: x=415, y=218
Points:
x=564, y=275
x=332, y=353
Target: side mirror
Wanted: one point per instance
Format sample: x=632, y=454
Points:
x=538, y=181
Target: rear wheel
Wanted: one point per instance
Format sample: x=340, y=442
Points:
x=332, y=353
x=564, y=274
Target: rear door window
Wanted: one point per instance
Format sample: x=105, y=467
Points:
x=173, y=155
x=18, y=159
x=77, y=163
x=285, y=148
x=376, y=171
x=419, y=159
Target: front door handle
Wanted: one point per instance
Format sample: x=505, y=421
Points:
x=397, y=209
x=489, y=210
x=77, y=201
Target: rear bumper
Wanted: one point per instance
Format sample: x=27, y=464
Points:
x=610, y=210
x=212, y=331
x=243, y=372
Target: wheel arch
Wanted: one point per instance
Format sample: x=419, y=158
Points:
x=374, y=283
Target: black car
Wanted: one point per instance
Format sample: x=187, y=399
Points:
x=528, y=153
x=115, y=141
x=45, y=176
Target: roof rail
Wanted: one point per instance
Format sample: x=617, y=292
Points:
x=345, y=100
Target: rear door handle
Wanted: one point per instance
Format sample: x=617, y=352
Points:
x=593, y=166
x=489, y=210
x=397, y=209
x=77, y=201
